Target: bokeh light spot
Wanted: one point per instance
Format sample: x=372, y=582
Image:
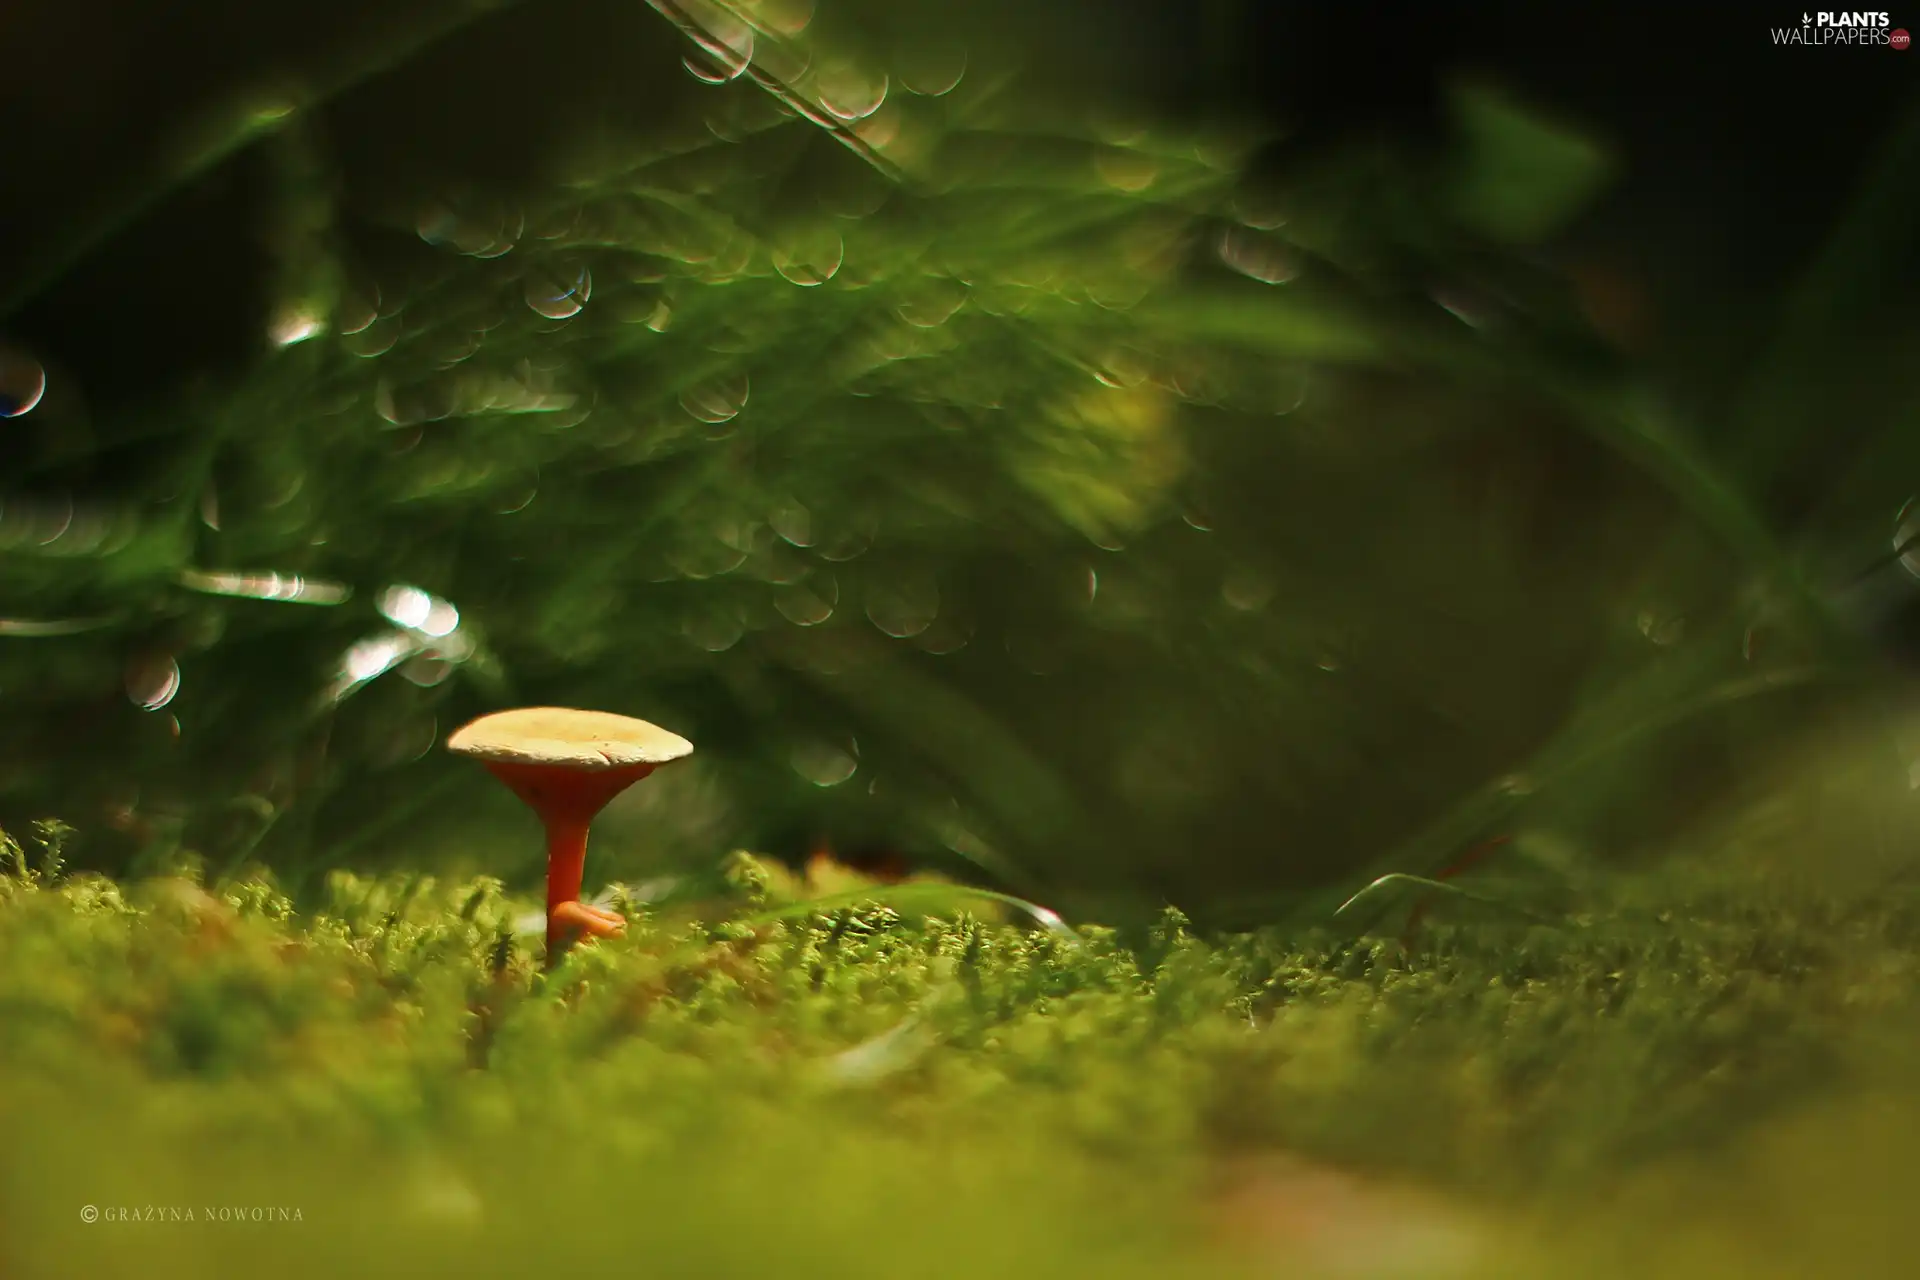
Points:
x=726, y=46
x=826, y=764
x=849, y=92
x=903, y=607
x=716, y=400
x=1247, y=589
x=1257, y=255
x=293, y=325
x=151, y=680
x=22, y=383
x=932, y=68
x=558, y=293
x=793, y=523
x=803, y=606
x=810, y=259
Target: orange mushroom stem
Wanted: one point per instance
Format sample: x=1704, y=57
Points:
x=567, y=800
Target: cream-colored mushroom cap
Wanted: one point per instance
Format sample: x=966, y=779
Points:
x=568, y=738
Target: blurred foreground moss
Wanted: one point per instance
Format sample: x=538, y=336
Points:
x=1698, y=1081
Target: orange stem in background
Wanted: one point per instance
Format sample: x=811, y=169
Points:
x=1468, y=861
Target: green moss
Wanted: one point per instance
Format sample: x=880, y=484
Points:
x=862, y=1091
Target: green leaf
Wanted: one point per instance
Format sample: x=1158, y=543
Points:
x=1521, y=177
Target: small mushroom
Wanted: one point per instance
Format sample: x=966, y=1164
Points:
x=566, y=765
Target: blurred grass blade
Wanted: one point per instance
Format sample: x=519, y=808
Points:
x=1395, y=879
x=40, y=627
x=1577, y=749
x=215, y=138
x=919, y=896
x=688, y=17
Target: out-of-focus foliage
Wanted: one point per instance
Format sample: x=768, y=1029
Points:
x=389, y=1084
x=962, y=471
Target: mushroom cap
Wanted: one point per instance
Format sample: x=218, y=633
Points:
x=565, y=738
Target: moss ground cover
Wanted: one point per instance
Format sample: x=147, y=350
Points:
x=1693, y=1078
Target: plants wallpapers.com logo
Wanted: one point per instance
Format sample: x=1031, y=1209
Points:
x=1858, y=30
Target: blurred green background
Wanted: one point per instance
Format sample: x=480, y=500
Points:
x=1211, y=454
